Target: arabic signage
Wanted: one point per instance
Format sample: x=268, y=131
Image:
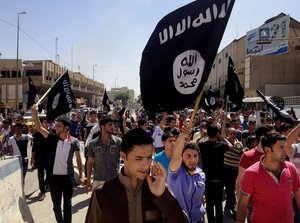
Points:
x=269, y=39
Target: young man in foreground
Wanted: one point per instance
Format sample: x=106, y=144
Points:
x=270, y=183
x=134, y=195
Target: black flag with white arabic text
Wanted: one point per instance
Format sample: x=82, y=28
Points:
x=60, y=98
x=179, y=55
x=32, y=93
x=280, y=113
x=105, y=101
x=233, y=88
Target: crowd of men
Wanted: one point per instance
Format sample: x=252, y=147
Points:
x=163, y=167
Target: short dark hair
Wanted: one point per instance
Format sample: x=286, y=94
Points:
x=42, y=119
x=19, y=125
x=106, y=120
x=136, y=136
x=166, y=135
x=270, y=138
x=64, y=121
x=212, y=131
x=191, y=145
x=260, y=131
x=284, y=127
x=170, y=118
x=93, y=112
x=141, y=122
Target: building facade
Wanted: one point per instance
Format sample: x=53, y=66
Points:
x=43, y=74
x=275, y=73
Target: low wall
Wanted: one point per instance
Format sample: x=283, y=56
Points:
x=13, y=206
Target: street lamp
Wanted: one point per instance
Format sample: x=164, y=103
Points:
x=94, y=83
x=17, y=75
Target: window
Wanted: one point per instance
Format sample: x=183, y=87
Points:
x=14, y=73
x=220, y=60
x=5, y=74
x=33, y=73
x=226, y=55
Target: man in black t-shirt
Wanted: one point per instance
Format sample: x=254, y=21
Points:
x=212, y=152
x=40, y=159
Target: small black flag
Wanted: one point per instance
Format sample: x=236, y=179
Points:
x=209, y=101
x=233, y=88
x=179, y=55
x=60, y=98
x=280, y=113
x=32, y=93
x=105, y=101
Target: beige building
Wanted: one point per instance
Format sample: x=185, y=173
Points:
x=272, y=74
x=43, y=73
x=112, y=93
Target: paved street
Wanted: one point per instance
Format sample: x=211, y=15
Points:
x=42, y=210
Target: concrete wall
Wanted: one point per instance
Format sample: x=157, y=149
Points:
x=13, y=206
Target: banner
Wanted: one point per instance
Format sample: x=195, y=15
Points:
x=60, y=98
x=280, y=113
x=233, y=88
x=105, y=101
x=270, y=38
x=179, y=55
x=32, y=93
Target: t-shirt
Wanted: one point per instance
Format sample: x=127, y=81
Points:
x=250, y=157
x=19, y=144
x=212, y=154
x=163, y=159
x=271, y=199
x=157, y=134
x=295, y=156
x=188, y=191
x=232, y=156
x=64, y=152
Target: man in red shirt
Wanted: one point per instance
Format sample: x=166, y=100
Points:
x=269, y=183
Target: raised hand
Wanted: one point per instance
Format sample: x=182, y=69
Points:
x=157, y=183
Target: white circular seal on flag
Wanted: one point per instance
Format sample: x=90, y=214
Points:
x=187, y=71
x=55, y=101
x=212, y=101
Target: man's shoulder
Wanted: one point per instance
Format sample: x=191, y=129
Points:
x=254, y=168
x=116, y=139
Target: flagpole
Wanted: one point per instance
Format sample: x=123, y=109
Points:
x=196, y=106
x=42, y=98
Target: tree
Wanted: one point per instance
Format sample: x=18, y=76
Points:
x=124, y=97
x=139, y=99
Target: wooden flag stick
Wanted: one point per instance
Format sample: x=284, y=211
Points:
x=196, y=106
x=42, y=98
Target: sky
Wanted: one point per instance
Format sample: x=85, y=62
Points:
x=110, y=34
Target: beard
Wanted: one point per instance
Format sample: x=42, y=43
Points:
x=189, y=167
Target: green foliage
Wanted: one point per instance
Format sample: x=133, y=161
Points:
x=124, y=97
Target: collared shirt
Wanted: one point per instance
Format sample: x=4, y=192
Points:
x=188, y=190
x=271, y=198
x=65, y=149
x=106, y=158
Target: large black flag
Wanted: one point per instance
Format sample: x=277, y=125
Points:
x=60, y=98
x=105, y=101
x=32, y=93
x=233, y=88
x=280, y=113
x=178, y=57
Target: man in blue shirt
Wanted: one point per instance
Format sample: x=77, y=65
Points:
x=186, y=179
x=164, y=157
